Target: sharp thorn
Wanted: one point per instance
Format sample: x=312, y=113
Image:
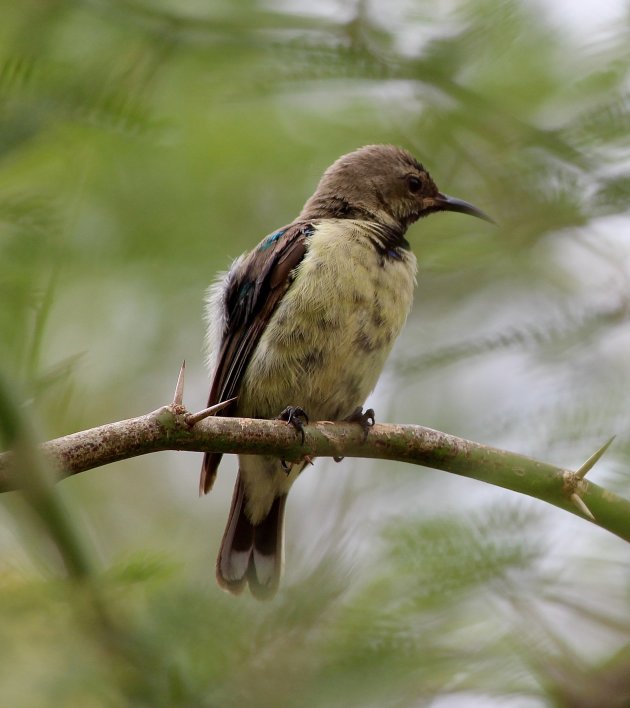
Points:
x=193, y=418
x=178, y=398
x=579, y=502
x=587, y=466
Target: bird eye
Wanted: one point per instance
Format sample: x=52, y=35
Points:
x=413, y=183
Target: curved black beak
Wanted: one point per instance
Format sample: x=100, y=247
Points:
x=445, y=203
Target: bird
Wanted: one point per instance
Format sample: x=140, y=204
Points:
x=300, y=327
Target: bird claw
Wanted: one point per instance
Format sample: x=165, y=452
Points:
x=295, y=416
x=364, y=418
x=288, y=466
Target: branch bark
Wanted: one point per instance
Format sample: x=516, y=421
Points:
x=168, y=428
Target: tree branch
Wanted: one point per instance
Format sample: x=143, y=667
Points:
x=169, y=428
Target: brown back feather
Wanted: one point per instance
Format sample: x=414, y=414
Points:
x=251, y=297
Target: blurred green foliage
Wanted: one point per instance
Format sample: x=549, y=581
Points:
x=142, y=146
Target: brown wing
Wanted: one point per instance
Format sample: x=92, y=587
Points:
x=252, y=294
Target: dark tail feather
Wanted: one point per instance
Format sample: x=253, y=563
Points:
x=267, y=559
x=251, y=554
x=209, y=471
x=236, y=545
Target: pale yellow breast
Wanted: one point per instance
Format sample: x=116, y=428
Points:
x=326, y=344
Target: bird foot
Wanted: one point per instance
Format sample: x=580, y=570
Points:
x=297, y=417
x=364, y=418
x=288, y=466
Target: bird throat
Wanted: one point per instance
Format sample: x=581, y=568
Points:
x=385, y=237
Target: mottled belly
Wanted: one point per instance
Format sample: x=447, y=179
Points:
x=328, y=340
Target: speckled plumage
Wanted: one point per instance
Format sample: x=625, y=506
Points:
x=308, y=318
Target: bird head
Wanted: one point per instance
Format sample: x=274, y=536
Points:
x=381, y=183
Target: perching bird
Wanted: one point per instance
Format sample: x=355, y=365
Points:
x=307, y=319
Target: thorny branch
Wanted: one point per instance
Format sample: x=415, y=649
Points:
x=173, y=428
